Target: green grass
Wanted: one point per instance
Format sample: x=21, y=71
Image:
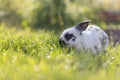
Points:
x=36, y=55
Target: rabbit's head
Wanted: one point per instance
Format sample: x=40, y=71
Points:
x=71, y=36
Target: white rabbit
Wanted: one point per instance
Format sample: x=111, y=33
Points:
x=85, y=37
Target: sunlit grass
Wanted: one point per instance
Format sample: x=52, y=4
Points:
x=30, y=55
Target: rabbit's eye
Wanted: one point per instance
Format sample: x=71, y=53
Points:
x=73, y=39
x=68, y=36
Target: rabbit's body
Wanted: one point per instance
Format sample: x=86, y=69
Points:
x=93, y=38
x=85, y=37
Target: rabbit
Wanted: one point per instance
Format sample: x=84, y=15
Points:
x=85, y=37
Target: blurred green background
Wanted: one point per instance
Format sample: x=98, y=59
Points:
x=58, y=14
x=29, y=35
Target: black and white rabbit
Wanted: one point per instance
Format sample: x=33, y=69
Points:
x=85, y=37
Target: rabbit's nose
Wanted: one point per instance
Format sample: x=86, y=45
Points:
x=62, y=43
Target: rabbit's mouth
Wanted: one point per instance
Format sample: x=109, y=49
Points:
x=63, y=43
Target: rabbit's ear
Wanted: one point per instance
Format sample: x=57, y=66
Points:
x=83, y=25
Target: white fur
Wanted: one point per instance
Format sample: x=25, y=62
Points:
x=91, y=38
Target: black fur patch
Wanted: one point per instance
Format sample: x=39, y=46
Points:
x=103, y=41
x=69, y=36
x=96, y=47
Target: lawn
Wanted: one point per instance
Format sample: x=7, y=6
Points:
x=26, y=54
